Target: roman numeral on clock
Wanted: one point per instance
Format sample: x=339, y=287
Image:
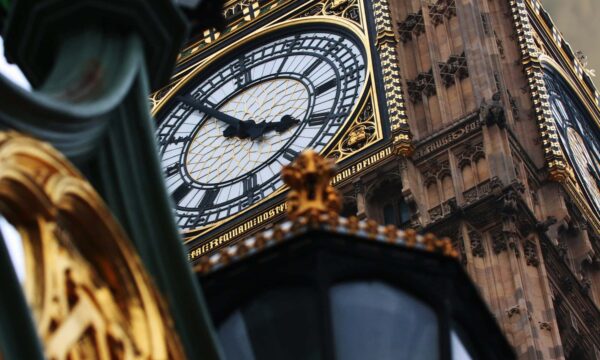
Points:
x=326, y=87
x=181, y=192
x=318, y=119
x=208, y=200
x=312, y=67
x=250, y=183
x=240, y=67
x=172, y=170
x=290, y=154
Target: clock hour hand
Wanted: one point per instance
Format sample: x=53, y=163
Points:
x=286, y=122
x=240, y=128
x=280, y=126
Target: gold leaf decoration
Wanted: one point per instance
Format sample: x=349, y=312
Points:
x=89, y=293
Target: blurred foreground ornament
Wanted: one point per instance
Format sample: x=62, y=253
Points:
x=203, y=14
x=86, y=286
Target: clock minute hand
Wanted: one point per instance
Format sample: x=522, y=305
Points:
x=239, y=128
x=228, y=119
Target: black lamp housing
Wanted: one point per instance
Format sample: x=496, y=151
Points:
x=322, y=294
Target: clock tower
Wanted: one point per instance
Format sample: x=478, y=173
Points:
x=472, y=119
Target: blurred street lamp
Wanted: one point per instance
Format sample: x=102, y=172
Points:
x=325, y=287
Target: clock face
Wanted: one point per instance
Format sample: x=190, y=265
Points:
x=225, y=136
x=577, y=136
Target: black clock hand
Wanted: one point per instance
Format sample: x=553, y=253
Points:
x=286, y=122
x=256, y=130
x=240, y=128
x=227, y=119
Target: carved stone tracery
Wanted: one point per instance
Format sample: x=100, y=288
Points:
x=454, y=68
x=499, y=242
x=442, y=9
x=412, y=26
x=424, y=84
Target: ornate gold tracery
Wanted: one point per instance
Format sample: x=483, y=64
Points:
x=86, y=286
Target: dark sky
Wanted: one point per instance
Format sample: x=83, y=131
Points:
x=579, y=22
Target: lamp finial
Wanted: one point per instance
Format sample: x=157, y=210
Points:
x=309, y=179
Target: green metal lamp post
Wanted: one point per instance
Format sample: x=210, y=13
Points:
x=92, y=64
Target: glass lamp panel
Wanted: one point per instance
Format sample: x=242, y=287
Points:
x=459, y=351
x=279, y=324
x=14, y=244
x=372, y=320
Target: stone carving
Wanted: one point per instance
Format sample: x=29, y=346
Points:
x=566, y=283
x=493, y=113
x=586, y=284
x=458, y=243
x=531, y=255
x=499, y=45
x=413, y=25
x=455, y=67
x=440, y=10
x=485, y=21
x=513, y=310
x=499, y=243
x=514, y=106
x=543, y=226
x=424, y=84
x=476, y=244
x=510, y=202
x=562, y=249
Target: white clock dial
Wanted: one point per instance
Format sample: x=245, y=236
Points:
x=226, y=136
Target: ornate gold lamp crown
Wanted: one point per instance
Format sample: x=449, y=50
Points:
x=309, y=180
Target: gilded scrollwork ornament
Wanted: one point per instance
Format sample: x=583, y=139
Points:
x=362, y=133
x=348, y=9
x=88, y=290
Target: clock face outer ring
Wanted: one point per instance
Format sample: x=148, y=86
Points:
x=570, y=128
x=248, y=44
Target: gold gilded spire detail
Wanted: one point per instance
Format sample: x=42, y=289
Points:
x=309, y=179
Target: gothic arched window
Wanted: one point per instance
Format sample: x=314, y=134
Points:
x=386, y=204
